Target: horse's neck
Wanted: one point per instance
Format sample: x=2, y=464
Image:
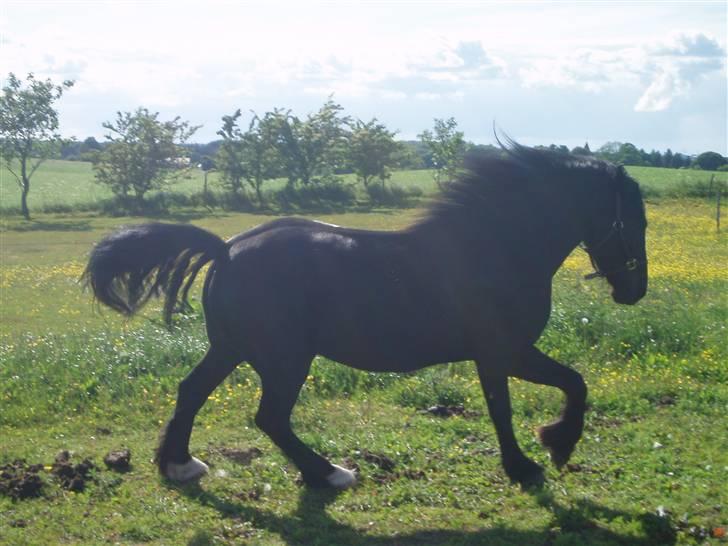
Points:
x=531, y=234
x=544, y=232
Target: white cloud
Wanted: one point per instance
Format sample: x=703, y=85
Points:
x=677, y=65
x=464, y=61
x=487, y=60
x=587, y=69
x=667, y=68
x=659, y=95
x=691, y=44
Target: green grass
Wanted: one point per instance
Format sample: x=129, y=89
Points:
x=70, y=185
x=653, y=439
x=654, y=443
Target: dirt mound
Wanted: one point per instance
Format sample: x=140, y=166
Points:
x=19, y=480
x=119, y=460
x=72, y=477
x=379, y=459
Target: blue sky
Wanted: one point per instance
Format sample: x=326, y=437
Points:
x=651, y=73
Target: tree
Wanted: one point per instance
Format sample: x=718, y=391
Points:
x=609, y=150
x=582, y=150
x=142, y=154
x=710, y=161
x=560, y=148
x=314, y=148
x=624, y=153
x=680, y=160
x=372, y=151
x=229, y=157
x=29, y=128
x=655, y=158
x=249, y=156
x=447, y=148
x=628, y=154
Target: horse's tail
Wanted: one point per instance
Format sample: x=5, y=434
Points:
x=137, y=262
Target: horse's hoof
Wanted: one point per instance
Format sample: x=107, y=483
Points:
x=559, y=445
x=341, y=478
x=185, y=472
x=526, y=473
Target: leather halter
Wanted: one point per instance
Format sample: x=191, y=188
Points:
x=630, y=263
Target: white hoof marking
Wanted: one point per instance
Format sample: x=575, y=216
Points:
x=191, y=470
x=341, y=478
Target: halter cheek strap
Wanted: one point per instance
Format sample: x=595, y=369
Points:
x=630, y=263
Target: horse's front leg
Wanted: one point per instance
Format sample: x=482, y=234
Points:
x=561, y=436
x=518, y=467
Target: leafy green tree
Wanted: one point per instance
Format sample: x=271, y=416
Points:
x=142, y=153
x=655, y=158
x=250, y=156
x=314, y=148
x=372, y=151
x=629, y=155
x=447, y=148
x=412, y=155
x=229, y=158
x=624, y=153
x=680, y=160
x=710, y=161
x=29, y=128
x=90, y=145
x=609, y=151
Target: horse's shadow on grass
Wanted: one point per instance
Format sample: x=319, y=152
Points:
x=311, y=524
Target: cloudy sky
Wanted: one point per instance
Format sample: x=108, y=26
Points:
x=651, y=73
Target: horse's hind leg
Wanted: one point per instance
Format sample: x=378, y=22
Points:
x=281, y=387
x=173, y=457
x=561, y=436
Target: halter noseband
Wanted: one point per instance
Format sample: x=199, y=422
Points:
x=630, y=263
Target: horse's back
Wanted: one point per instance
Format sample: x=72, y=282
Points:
x=365, y=298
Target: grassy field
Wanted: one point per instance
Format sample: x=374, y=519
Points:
x=60, y=185
x=650, y=469
x=64, y=185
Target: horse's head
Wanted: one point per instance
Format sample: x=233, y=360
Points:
x=615, y=239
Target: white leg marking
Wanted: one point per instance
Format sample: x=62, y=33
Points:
x=341, y=478
x=191, y=470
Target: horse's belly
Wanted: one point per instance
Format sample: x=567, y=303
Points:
x=393, y=354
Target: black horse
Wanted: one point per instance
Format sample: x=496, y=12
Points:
x=470, y=281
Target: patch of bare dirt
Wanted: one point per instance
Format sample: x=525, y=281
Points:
x=72, y=476
x=20, y=480
x=240, y=456
x=119, y=460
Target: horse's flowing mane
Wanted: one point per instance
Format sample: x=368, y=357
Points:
x=489, y=177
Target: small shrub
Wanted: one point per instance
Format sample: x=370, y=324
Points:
x=393, y=196
x=233, y=200
x=691, y=188
x=327, y=194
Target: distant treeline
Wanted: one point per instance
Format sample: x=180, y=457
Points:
x=417, y=154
